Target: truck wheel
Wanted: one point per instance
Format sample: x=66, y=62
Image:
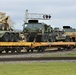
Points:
x=5, y=38
x=71, y=40
x=68, y=39
x=11, y=39
x=16, y=37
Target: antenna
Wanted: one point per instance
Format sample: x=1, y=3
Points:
x=26, y=16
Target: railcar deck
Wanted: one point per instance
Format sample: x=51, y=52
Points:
x=36, y=44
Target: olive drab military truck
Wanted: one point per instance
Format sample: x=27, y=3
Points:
x=38, y=32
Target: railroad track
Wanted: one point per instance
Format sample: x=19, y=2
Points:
x=34, y=56
x=35, y=52
x=36, y=59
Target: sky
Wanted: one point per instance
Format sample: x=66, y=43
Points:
x=63, y=12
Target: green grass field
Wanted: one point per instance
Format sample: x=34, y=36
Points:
x=60, y=55
x=53, y=68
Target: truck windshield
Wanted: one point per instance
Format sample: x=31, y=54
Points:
x=69, y=30
x=33, y=26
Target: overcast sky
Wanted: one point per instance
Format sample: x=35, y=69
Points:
x=63, y=12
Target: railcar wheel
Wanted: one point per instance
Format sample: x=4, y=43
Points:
x=6, y=50
x=28, y=50
x=70, y=48
x=31, y=50
x=41, y=49
x=0, y=51
x=12, y=50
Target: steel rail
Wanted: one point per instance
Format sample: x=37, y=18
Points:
x=37, y=59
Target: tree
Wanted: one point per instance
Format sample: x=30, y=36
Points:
x=12, y=23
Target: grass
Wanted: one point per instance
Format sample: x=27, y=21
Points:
x=60, y=55
x=54, y=68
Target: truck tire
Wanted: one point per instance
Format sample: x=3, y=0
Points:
x=67, y=39
x=5, y=38
x=11, y=39
x=16, y=38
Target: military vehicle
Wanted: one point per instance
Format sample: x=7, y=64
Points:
x=7, y=34
x=38, y=32
x=35, y=31
x=69, y=34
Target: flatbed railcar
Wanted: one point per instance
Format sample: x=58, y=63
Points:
x=37, y=36
x=36, y=45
